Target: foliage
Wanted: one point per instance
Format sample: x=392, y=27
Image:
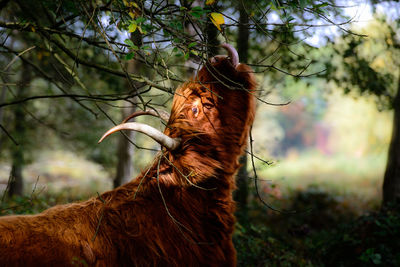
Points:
x=370, y=240
x=258, y=246
x=323, y=232
x=28, y=204
x=67, y=30
x=372, y=66
x=367, y=64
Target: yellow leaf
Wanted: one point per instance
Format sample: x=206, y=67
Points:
x=132, y=14
x=33, y=29
x=132, y=27
x=217, y=19
x=210, y=2
x=129, y=4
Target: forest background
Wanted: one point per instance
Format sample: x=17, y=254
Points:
x=321, y=181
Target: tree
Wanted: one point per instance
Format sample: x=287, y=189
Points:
x=16, y=183
x=242, y=193
x=371, y=65
x=125, y=149
x=391, y=184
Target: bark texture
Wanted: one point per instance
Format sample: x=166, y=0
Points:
x=391, y=183
x=16, y=182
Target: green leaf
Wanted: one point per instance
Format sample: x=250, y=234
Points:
x=289, y=18
x=140, y=20
x=147, y=27
x=129, y=56
x=186, y=57
x=166, y=33
x=192, y=44
x=197, y=8
x=320, y=5
x=129, y=42
x=198, y=11
x=177, y=40
x=273, y=7
x=196, y=14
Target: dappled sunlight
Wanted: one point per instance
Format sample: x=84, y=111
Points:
x=339, y=174
x=62, y=172
x=343, y=151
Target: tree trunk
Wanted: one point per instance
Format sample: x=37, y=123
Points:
x=242, y=193
x=125, y=149
x=125, y=152
x=2, y=100
x=211, y=34
x=243, y=36
x=16, y=183
x=391, y=183
x=3, y=93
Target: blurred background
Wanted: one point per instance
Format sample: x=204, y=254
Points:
x=310, y=191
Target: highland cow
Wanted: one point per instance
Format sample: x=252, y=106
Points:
x=177, y=212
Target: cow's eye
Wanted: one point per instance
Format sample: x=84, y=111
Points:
x=195, y=110
x=208, y=105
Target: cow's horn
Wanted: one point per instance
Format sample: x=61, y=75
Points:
x=232, y=53
x=164, y=140
x=153, y=112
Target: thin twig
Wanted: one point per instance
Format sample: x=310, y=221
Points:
x=256, y=179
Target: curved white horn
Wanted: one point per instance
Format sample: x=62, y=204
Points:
x=162, y=139
x=232, y=53
x=153, y=112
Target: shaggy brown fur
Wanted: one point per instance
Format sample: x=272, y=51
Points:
x=178, y=212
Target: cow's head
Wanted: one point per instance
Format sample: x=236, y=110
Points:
x=211, y=115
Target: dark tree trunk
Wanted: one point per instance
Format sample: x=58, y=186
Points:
x=2, y=99
x=391, y=183
x=125, y=149
x=242, y=193
x=16, y=183
x=243, y=36
x=211, y=34
x=125, y=152
x=3, y=94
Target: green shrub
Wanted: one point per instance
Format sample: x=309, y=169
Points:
x=371, y=240
x=258, y=246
